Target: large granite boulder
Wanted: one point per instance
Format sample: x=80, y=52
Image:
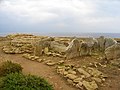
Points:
x=73, y=50
x=113, y=52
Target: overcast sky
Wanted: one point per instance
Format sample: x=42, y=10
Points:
x=48, y=16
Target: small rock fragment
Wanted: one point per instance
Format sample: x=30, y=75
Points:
x=90, y=85
x=77, y=80
x=70, y=81
x=71, y=72
x=50, y=63
x=80, y=70
x=71, y=76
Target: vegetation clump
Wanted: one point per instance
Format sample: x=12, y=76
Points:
x=9, y=67
x=18, y=81
x=12, y=78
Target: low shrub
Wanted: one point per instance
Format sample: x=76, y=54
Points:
x=9, y=67
x=18, y=81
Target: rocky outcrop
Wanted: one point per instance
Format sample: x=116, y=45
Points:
x=82, y=77
x=113, y=52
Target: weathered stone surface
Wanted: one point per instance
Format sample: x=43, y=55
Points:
x=61, y=70
x=69, y=81
x=105, y=42
x=79, y=85
x=57, y=47
x=113, y=52
x=39, y=60
x=91, y=42
x=50, y=63
x=101, y=42
x=90, y=85
x=84, y=49
x=77, y=80
x=65, y=72
x=88, y=45
x=73, y=49
x=71, y=72
x=71, y=76
x=46, y=50
x=97, y=79
x=38, y=48
x=109, y=42
x=61, y=62
x=94, y=72
x=82, y=71
x=12, y=50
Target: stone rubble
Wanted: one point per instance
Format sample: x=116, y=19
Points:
x=82, y=77
x=88, y=77
x=26, y=43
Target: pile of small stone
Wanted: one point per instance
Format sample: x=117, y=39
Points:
x=85, y=77
x=38, y=59
x=26, y=48
x=12, y=50
x=32, y=57
x=20, y=44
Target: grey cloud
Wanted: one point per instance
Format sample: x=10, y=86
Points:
x=62, y=15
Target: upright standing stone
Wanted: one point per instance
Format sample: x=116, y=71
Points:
x=84, y=49
x=113, y=52
x=73, y=49
x=37, y=48
x=109, y=42
x=101, y=42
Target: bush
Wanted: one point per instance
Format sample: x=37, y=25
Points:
x=18, y=81
x=9, y=67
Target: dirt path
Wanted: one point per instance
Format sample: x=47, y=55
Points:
x=35, y=68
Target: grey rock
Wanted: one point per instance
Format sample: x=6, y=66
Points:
x=88, y=46
x=57, y=47
x=113, y=52
x=109, y=42
x=101, y=42
x=73, y=49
